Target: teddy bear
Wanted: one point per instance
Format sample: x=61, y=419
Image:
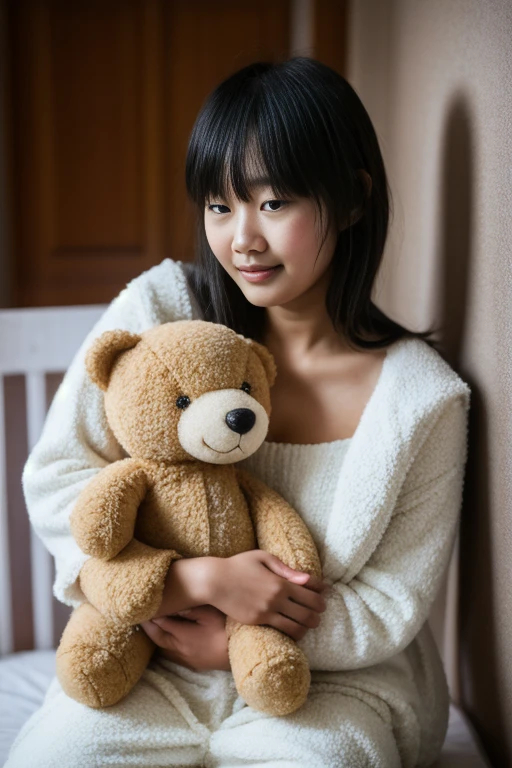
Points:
x=186, y=401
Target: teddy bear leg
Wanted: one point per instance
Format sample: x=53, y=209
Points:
x=99, y=661
x=271, y=672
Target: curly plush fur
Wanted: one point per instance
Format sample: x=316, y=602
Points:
x=186, y=400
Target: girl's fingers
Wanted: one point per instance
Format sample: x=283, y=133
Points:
x=308, y=618
x=159, y=636
x=308, y=598
x=168, y=624
x=203, y=614
x=277, y=566
x=297, y=577
x=316, y=584
x=289, y=627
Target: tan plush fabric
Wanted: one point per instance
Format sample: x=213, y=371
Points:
x=140, y=514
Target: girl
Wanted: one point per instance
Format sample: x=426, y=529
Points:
x=367, y=440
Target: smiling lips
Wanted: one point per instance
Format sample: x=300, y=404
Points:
x=256, y=274
x=216, y=451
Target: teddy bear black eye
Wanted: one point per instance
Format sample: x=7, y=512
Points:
x=183, y=401
x=246, y=387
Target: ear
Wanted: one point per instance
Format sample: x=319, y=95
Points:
x=104, y=352
x=266, y=359
x=366, y=180
x=356, y=213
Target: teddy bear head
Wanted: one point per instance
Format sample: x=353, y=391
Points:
x=184, y=390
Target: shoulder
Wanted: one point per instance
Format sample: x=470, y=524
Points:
x=158, y=295
x=419, y=372
x=163, y=293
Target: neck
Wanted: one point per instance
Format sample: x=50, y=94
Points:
x=303, y=327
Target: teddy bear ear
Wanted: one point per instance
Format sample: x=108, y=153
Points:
x=104, y=352
x=266, y=359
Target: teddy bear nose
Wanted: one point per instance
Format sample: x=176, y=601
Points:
x=241, y=420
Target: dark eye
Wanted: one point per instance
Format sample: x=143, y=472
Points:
x=183, y=401
x=246, y=387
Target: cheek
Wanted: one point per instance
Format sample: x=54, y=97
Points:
x=301, y=239
x=218, y=240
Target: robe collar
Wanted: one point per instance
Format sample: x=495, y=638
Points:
x=414, y=387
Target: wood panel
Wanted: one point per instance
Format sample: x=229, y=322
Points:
x=105, y=95
x=82, y=183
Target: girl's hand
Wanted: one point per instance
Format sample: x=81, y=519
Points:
x=198, y=641
x=256, y=587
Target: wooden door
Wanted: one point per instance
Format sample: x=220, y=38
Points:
x=103, y=97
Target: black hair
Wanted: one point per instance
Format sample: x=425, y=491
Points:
x=310, y=134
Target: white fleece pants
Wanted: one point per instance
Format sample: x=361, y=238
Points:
x=177, y=717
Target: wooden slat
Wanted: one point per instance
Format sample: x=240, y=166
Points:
x=6, y=638
x=42, y=576
x=18, y=524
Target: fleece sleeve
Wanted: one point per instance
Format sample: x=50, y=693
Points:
x=380, y=611
x=76, y=441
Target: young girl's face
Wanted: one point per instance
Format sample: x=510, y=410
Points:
x=272, y=248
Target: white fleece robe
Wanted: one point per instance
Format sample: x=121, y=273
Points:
x=379, y=695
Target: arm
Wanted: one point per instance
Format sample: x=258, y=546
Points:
x=380, y=611
x=103, y=519
x=76, y=442
x=194, y=585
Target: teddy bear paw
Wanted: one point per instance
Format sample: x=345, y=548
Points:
x=92, y=676
x=279, y=687
x=271, y=672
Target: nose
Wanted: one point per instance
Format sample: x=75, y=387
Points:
x=241, y=420
x=247, y=235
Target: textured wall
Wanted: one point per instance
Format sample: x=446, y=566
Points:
x=436, y=78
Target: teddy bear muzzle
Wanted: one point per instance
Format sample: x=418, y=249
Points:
x=223, y=427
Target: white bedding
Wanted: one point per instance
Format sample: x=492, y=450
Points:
x=24, y=678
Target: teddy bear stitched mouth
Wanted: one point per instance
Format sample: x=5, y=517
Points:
x=215, y=449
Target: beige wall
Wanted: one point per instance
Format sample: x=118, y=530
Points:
x=436, y=78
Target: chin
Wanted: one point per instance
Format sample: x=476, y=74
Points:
x=274, y=298
x=263, y=301
x=260, y=296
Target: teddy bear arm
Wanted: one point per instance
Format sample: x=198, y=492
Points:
x=103, y=519
x=129, y=587
x=279, y=528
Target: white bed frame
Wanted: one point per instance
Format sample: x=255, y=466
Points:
x=33, y=343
